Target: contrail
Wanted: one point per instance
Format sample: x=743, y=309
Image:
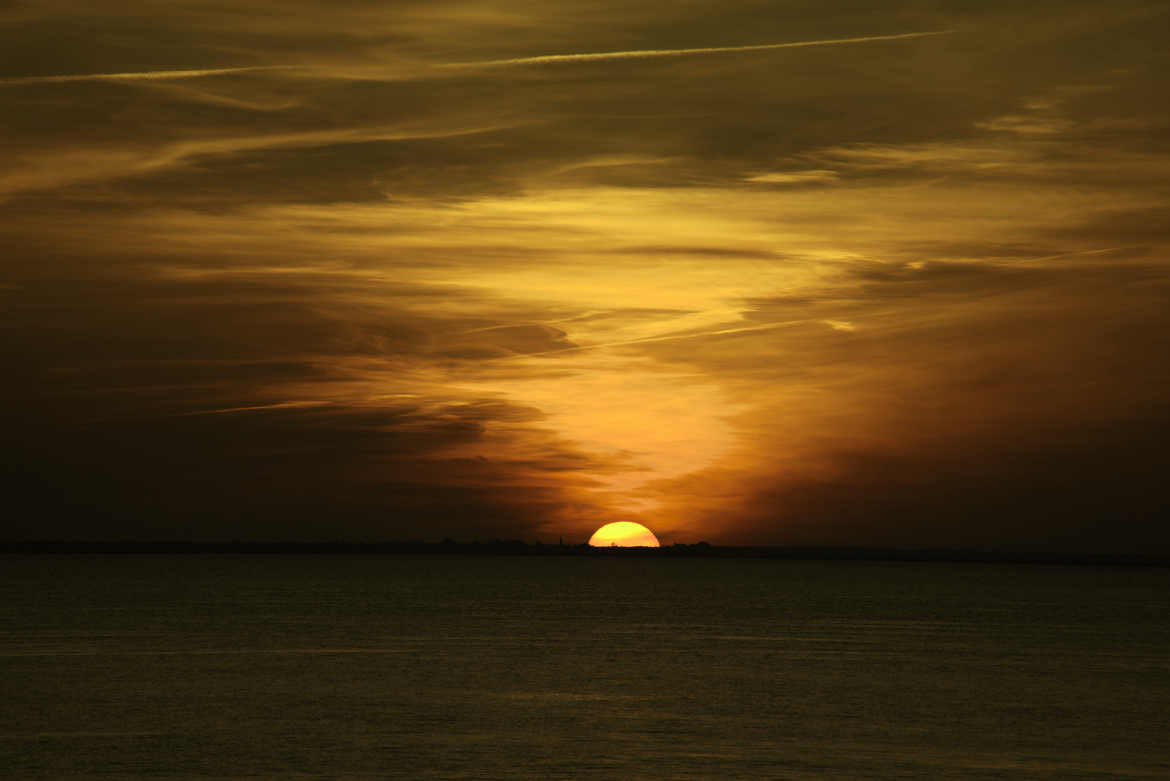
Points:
x=664, y=338
x=139, y=76
x=648, y=53
x=279, y=405
x=167, y=75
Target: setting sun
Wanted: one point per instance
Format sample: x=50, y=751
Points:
x=624, y=534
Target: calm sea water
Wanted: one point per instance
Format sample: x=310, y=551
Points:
x=591, y=668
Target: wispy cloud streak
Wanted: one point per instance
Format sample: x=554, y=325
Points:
x=84, y=165
x=139, y=76
x=649, y=53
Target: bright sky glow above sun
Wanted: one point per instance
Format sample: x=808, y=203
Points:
x=743, y=272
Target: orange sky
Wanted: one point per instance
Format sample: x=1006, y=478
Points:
x=283, y=271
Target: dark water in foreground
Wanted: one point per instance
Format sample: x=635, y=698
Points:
x=594, y=668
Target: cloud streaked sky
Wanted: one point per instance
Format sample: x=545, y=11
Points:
x=747, y=273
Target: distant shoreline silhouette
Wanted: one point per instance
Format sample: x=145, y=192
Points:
x=520, y=548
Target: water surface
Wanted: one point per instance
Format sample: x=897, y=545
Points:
x=564, y=668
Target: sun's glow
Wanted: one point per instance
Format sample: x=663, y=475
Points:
x=623, y=534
